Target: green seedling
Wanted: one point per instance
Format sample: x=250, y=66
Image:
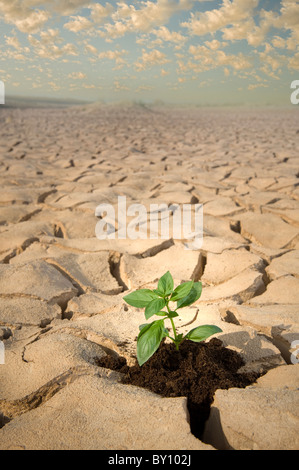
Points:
x=164, y=297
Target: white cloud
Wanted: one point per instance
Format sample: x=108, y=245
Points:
x=237, y=62
x=164, y=73
x=207, y=59
x=14, y=42
x=33, y=23
x=229, y=13
x=294, y=62
x=120, y=87
x=150, y=15
x=116, y=55
x=239, y=31
x=52, y=51
x=77, y=76
x=150, y=59
x=271, y=60
x=99, y=12
x=91, y=49
x=50, y=36
x=20, y=14
x=78, y=23
x=214, y=45
x=66, y=7
x=253, y=86
x=170, y=36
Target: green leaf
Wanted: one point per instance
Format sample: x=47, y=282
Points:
x=166, y=284
x=149, y=340
x=160, y=294
x=202, y=332
x=140, y=298
x=182, y=291
x=172, y=314
x=193, y=295
x=162, y=314
x=165, y=333
x=154, y=307
x=144, y=325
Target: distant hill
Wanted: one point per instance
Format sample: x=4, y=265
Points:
x=30, y=102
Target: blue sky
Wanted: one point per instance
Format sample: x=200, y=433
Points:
x=180, y=51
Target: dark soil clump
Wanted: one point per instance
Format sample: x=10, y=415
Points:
x=196, y=371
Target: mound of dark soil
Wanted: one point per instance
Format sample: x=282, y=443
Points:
x=196, y=371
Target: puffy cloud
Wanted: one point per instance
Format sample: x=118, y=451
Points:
x=116, y=55
x=120, y=86
x=170, y=36
x=65, y=7
x=239, y=30
x=28, y=19
x=33, y=23
x=22, y=16
x=289, y=15
x=294, y=62
x=214, y=45
x=229, y=13
x=235, y=18
x=238, y=62
x=150, y=59
x=78, y=23
x=253, y=86
x=150, y=15
x=91, y=49
x=50, y=50
x=14, y=42
x=271, y=59
x=77, y=76
x=100, y=12
x=279, y=42
x=207, y=59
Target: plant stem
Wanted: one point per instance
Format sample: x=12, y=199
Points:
x=174, y=329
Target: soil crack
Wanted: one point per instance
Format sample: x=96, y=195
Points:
x=14, y=408
x=195, y=372
x=114, y=264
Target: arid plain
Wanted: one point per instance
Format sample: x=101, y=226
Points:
x=61, y=288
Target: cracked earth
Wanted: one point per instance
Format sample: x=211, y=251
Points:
x=61, y=289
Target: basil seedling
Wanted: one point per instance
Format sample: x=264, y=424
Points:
x=154, y=301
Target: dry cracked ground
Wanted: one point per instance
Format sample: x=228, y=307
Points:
x=61, y=289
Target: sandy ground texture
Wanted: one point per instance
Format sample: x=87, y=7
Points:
x=61, y=289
